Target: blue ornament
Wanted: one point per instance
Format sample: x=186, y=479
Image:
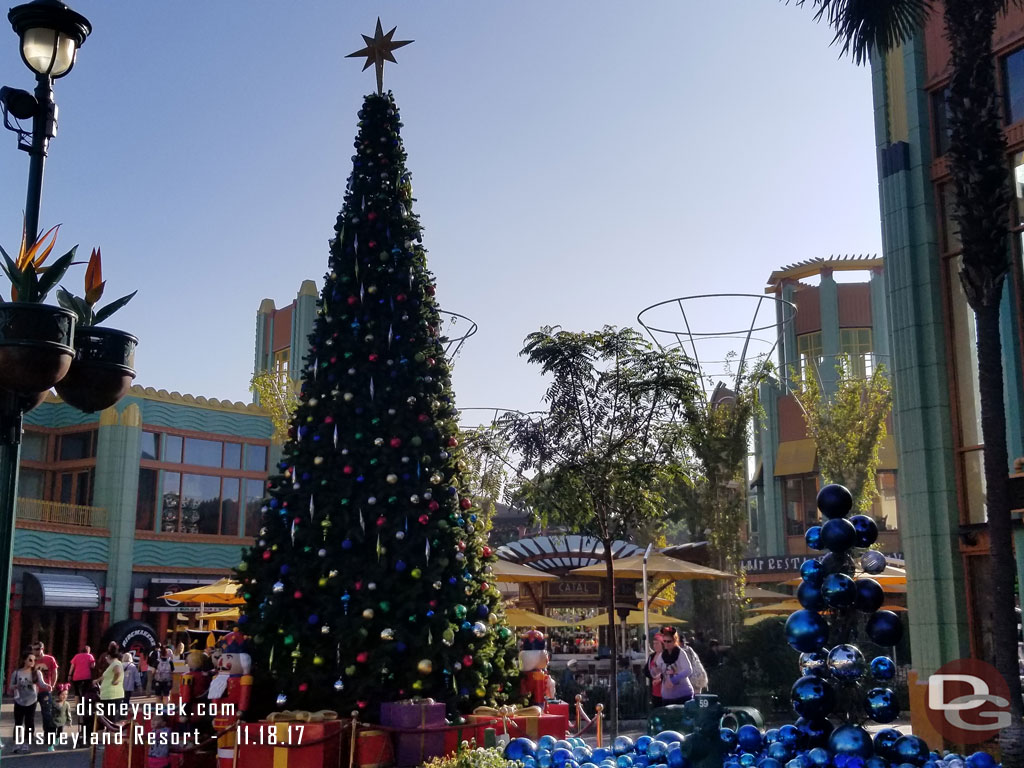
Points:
x=747, y=760
x=872, y=561
x=657, y=749
x=884, y=628
x=642, y=742
x=881, y=705
x=838, y=534
x=624, y=760
x=813, y=537
x=560, y=756
x=546, y=742
x=728, y=738
x=812, y=696
x=839, y=590
x=622, y=745
x=790, y=736
x=806, y=630
x=850, y=740
x=520, y=748
x=869, y=595
x=544, y=759
x=981, y=760
x=771, y=736
x=875, y=761
x=834, y=501
x=814, y=663
x=867, y=530
x=812, y=572
x=749, y=738
x=769, y=762
x=815, y=731
x=779, y=751
x=676, y=758
x=598, y=755
x=581, y=753
x=669, y=737
x=819, y=757
x=810, y=596
x=910, y=749
x=846, y=662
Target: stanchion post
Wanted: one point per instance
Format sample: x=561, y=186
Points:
x=579, y=713
x=600, y=721
x=352, y=745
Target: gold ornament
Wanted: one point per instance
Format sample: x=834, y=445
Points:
x=378, y=50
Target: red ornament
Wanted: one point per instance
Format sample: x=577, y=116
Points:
x=486, y=551
x=371, y=216
x=431, y=361
x=483, y=586
x=380, y=521
x=467, y=660
x=396, y=442
x=353, y=300
x=433, y=506
x=433, y=603
x=430, y=290
x=362, y=656
x=424, y=519
x=266, y=555
x=303, y=687
x=361, y=704
x=347, y=470
x=358, y=585
x=465, y=503
x=401, y=297
x=423, y=418
x=452, y=442
x=328, y=420
x=372, y=243
x=297, y=595
x=296, y=520
x=373, y=357
x=461, y=546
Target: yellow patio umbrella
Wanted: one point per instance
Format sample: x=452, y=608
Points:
x=228, y=614
x=634, y=617
x=760, y=595
x=659, y=566
x=517, y=617
x=222, y=592
x=752, y=620
x=515, y=573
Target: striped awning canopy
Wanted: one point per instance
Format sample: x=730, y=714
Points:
x=60, y=590
x=560, y=554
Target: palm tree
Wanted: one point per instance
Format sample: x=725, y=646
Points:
x=981, y=181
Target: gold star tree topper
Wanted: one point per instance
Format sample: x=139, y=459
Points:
x=378, y=50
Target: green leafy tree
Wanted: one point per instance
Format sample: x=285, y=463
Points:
x=848, y=427
x=369, y=579
x=981, y=214
x=595, y=462
x=275, y=394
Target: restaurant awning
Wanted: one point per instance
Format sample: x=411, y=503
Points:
x=60, y=590
x=795, y=457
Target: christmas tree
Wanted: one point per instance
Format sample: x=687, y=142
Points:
x=370, y=581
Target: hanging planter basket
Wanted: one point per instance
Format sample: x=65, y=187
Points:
x=102, y=371
x=35, y=347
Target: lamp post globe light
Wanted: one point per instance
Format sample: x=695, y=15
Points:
x=40, y=347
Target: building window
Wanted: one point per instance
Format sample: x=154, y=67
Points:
x=255, y=458
x=1013, y=86
x=253, y=504
x=856, y=345
x=200, y=504
x=800, y=498
x=809, y=352
x=172, y=449
x=940, y=122
x=232, y=455
x=145, y=504
x=280, y=363
x=34, y=445
x=75, y=487
x=77, y=445
x=32, y=483
x=170, y=507
x=883, y=508
x=950, y=230
x=229, y=508
x=150, y=448
x=203, y=453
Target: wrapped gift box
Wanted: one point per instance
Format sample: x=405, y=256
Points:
x=293, y=744
x=418, y=716
x=530, y=727
x=193, y=759
x=562, y=709
x=454, y=737
x=132, y=751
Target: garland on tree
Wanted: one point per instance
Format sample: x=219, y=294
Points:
x=369, y=581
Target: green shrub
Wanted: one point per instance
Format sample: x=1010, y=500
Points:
x=474, y=758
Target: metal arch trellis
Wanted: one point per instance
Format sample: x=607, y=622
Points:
x=688, y=337
x=453, y=344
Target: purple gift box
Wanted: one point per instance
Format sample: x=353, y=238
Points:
x=416, y=747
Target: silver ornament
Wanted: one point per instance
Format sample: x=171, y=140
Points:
x=872, y=561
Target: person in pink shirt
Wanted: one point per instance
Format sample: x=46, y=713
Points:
x=80, y=670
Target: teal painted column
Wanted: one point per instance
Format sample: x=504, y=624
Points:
x=264, y=334
x=116, y=490
x=929, y=514
x=303, y=318
x=828, y=296
x=773, y=521
x=790, y=359
x=879, y=319
x=1013, y=381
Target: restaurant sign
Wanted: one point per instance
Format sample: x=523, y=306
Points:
x=787, y=563
x=572, y=590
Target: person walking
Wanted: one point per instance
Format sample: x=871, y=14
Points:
x=651, y=674
x=24, y=688
x=112, y=685
x=61, y=712
x=80, y=670
x=48, y=668
x=132, y=679
x=673, y=667
x=164, y=675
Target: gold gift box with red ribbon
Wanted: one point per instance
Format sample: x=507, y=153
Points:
x=529, y=722
x=292, y=740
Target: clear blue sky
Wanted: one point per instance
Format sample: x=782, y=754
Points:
x=573, y=162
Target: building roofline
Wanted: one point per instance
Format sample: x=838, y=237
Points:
x=808, y=267
x=163, y=396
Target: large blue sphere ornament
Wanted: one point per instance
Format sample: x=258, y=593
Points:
x=769, y=762
x=543, y=758
x=885, y=742
x=819, y=757
x=642, y=742
x=603, y=753
x=656, y=750
x=838, y=562
x=867, y=530
x=872, y=562
x=884, y=628
x=547, y=741
x=779, y=751
x=560, y=756
x=676, y=758
x=814, y=663
x=846, y=662
x=563, y=744
x=869, y=595
x=747, y=760
x=581, y=754
x=520, y=748
x=624, y=761
x=875, y=761
x=834, y=501
x=850, y=740
x=728, y=738
x=812, y=697
x=790, y=736
x=881, y=705
x=981, y=760
x=806, y=630
x=839, y=590
x=812, y=572
x=771, y=736
x=815, y=731
x=749, y=738
x=669, y=737
x=910, y=749
x=838, y=534
x=810, y=597
x=622, y=745
x=883, y=668
x=812, y=537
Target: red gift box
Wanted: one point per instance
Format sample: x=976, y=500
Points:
x=530, y=727
x=560, y=708
x=293, y=744
x=454, y=737
x=193, y=759
x=419, y=744
x=127, y=749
